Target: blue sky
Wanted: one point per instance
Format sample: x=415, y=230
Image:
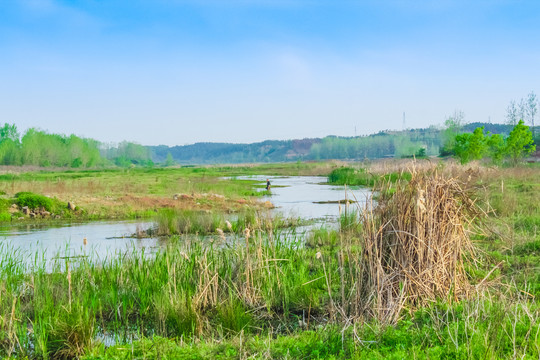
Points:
x=183, y=71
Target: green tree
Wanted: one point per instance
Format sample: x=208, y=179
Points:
x=9, y=132
x=9, y=145
x=496, y=147
x=453, y=127
x=170, y=160
x=469, y=146
x=519, y=143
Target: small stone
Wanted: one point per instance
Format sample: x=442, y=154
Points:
x=71, y=206
x=25, y=210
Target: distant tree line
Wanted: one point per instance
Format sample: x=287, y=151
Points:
x=127, y=154
x=384, y=144
x=430, y=141
x=40, y=148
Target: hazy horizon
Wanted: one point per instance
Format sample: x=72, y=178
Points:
x=181, y=72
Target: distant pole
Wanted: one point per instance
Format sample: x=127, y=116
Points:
x=355, y=131
x=404, y=125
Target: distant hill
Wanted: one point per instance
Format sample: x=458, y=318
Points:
x=380, y=145
x=266, y=151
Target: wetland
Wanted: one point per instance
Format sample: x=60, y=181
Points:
x=203, y=262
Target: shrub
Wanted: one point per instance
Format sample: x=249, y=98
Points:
x=34, y=201
x=350, y=176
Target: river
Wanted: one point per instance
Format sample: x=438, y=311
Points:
x=306, y=197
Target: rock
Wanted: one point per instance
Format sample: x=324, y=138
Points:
x=71, y=206
x=45, y=213
x=182, y=197
x=32, y=215
x=25, y=210
x=217, y=196
x=20, y=218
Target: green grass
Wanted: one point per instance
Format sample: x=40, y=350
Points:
x=362, y=177
x=128, y=193
x=477, y=329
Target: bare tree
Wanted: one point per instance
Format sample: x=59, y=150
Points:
x=512, y=113
x=531, y=108
x=522, y=109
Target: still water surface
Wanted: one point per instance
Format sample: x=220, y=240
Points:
x=297, y=196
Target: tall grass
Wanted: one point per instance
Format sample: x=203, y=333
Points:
x=415, y=245
x=184, y=291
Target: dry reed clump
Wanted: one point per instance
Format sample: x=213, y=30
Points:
x=415, y=243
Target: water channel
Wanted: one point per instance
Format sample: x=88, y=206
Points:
x=306, y=197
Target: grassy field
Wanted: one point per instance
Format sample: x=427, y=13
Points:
x=139, y=192
x=265, y=295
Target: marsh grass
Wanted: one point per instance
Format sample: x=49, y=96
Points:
x=177, y=222
x=182, y=291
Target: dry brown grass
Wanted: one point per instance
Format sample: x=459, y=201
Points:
x=415, y=242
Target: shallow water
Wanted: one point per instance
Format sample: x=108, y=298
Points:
x=301, y=196
x=60, y=240
x=295, y=196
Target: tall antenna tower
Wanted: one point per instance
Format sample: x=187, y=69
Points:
x=404, y=124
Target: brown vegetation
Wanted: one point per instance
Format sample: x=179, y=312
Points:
x=415, y=242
